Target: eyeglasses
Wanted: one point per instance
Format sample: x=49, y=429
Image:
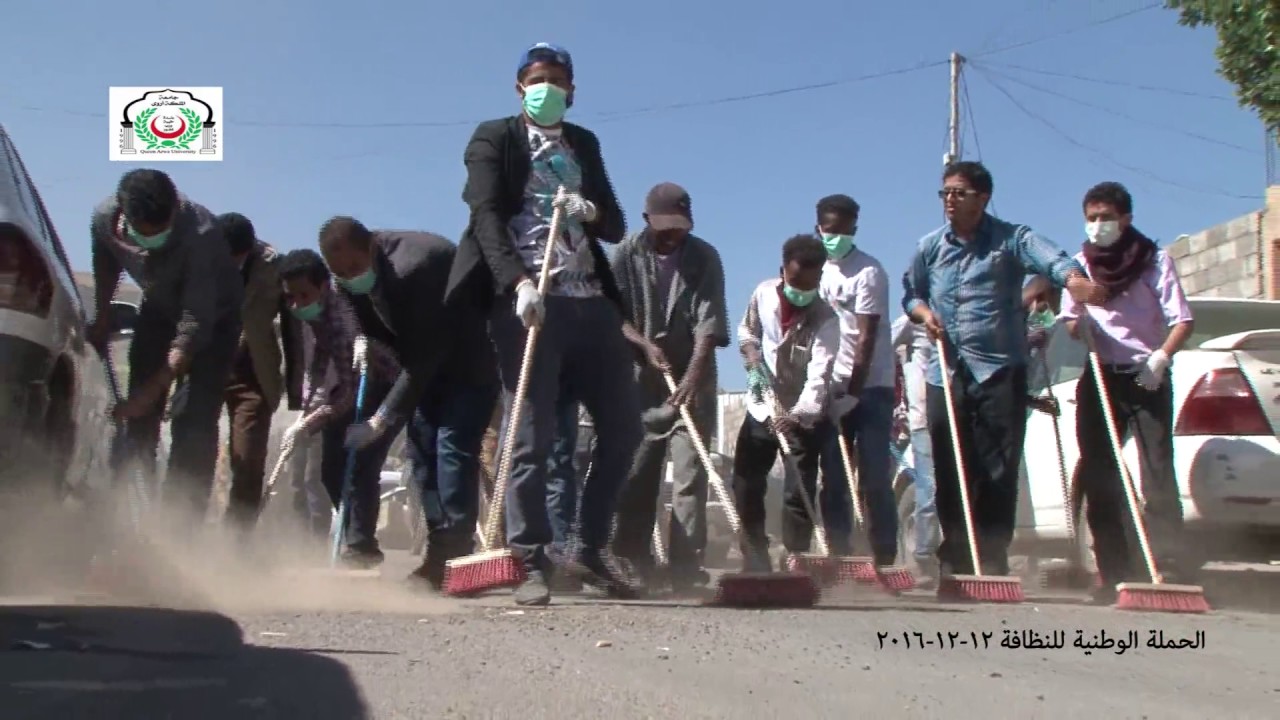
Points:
x=958, y=193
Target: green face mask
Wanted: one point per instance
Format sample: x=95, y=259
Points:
x=149, y=242
x=799, y=298
x=360, y=284
x=545, y=103
x=1044, y=319
x=837, y=245
x=307, y=313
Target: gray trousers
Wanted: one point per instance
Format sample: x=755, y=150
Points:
x=581, y=342
x=639, y=503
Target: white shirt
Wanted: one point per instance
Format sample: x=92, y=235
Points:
x=762, y=324
x=854, y=285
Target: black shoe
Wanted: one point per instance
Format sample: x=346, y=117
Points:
x=597, y=572
x=1104, y=596
x=689, y=580
x=885, y=559
x=362, y=558
x=756, y=560
x=534, y=590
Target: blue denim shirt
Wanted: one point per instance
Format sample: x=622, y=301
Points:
x=975, y=289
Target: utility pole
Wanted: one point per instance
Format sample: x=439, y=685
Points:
x=953, y=128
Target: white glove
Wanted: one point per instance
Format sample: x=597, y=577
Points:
x=529, y=305
x=1152, y=375
x=574, y=205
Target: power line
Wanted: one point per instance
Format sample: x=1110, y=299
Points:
x=1114, y=83
x=973, y=127
x=1068, y=31
x=1099, y=153
x=1111, y=111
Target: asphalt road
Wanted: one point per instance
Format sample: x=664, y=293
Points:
x=303, y=646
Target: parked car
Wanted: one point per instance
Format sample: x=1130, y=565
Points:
x=1226, y=387
x=54, y=398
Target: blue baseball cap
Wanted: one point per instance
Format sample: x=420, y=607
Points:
x=545, y=52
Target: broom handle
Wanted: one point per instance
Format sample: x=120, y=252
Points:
x=1067, y=506
x=961, y=475
x=1104, y=397
x=785, y=446
x=286, y=453
x=498, y=502
x=846, y=458
x=730, y=510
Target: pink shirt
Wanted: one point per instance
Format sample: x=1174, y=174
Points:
x=1135, y=323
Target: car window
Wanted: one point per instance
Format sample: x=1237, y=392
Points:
x=1217, y=319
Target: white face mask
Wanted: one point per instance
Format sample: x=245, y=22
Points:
x=1103, y=233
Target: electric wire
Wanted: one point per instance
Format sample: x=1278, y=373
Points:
x=1069, y=31
x=1104, y=81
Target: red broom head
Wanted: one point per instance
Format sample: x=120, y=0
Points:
x=824, y=570
x=975, y=588
x=897, y=579
x=475, y=574
x=1161, y=598
x=761, y=590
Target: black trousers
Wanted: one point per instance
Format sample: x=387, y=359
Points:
x=1148, y=415
x=992, y=420
x=753, y=457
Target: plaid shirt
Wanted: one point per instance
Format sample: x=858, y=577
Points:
x=335, y=331
x=975, y=289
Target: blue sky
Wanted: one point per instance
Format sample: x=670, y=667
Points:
x=332, y=109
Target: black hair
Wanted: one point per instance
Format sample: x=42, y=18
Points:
x=805, y=250
x=304, y=263
x=842, y=205
x=238, y=231
x=977, y=174
x=1112, y=193
x=147, y=196
x=344, y=230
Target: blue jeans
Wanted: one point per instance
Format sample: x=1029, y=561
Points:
x=443, y=440
x=562, y=472
x=926, y=513
x=868, y=428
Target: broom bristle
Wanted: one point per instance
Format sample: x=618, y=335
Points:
x=766, y=589
x=1161, y=598
x=824, y=570
x=474, y=574
x=895, y=578
x=980, y=588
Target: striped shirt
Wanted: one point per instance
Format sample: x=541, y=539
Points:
x=975, y=289
x=335, y=332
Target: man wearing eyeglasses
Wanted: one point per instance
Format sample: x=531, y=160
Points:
x=965, y=286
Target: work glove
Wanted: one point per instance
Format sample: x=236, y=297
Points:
x=362, y=435
x=574, y=205
x=529, y=305
x=784, y=425
x=1152, y=374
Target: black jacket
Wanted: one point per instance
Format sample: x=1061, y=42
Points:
x=498, y=167
x=432, y=343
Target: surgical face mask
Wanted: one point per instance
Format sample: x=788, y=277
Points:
x=1042, y=318
x=360, y=284
x=307, y=313
x=149, y=242
x=799, y=298
x=837, y=245
x=545, y=103
x=1103, y=233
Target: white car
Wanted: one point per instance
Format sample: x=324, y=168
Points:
x=1226, y=386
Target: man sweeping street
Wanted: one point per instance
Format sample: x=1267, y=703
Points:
x=447, y=385
x=520, y=169
x=257, y=381
x=188, y=326
x=856, y=286
x=1144, y=322
x=914, y=348
x=330, y=386
x=965, y=287
x=789, y=337
x=672, y=285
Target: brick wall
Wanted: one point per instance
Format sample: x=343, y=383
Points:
x=1225, y=260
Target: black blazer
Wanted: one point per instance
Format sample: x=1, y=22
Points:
x=413, y=270
x=498, y=167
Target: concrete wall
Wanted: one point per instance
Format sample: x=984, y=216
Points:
x=1236, y=258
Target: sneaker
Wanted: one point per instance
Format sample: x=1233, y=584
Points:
x=598, y=572
x=362, y=558
x=534, y=590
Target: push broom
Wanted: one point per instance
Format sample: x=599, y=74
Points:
x=1157, y=595
x=342, y=516
x=494, y=568
x=1076, y=573
x=746, y=589
x=977, y=587
x=895, y=578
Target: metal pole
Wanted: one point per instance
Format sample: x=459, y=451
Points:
x=953, y=127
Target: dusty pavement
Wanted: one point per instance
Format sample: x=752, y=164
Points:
x=380, y=652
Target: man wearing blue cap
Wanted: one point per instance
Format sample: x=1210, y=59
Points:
x=519, y=170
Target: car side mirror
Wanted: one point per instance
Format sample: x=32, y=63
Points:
x=123, y=318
